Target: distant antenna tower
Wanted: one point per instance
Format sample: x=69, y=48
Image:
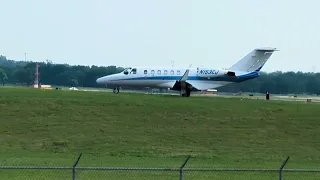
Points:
x=313, y=69
x=36, y=81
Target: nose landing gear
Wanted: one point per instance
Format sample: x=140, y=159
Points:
x=116, y=90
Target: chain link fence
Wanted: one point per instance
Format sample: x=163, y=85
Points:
x=182, y=173
x=81, y=173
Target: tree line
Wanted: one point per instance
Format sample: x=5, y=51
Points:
x=21, y=72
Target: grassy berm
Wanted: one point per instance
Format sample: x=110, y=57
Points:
x=51, y=128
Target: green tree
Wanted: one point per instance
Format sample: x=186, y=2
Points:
x=3, y=76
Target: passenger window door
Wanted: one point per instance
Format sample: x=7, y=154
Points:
x=145, y=73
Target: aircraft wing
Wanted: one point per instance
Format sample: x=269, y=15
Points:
x=181, y=82
x=185, y=76
x=193, y=85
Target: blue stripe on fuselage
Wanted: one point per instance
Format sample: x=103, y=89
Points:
x=221, y=78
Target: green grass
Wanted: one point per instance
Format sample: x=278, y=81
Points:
x=50, y=128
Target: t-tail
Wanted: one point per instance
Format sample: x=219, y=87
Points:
x=254, y=61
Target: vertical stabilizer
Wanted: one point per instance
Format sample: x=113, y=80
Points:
x=254, y=61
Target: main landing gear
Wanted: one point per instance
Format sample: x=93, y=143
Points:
x=187, y=93
x=116, y=90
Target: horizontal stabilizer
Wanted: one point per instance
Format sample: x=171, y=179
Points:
x=267, y=49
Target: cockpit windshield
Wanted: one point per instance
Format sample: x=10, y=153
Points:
x=129, y=70
x=126, y=70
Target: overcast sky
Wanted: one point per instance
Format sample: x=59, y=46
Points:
x=156, y=32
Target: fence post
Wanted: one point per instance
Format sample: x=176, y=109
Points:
x=182, y=166
x=281, y=168
x=74, y=167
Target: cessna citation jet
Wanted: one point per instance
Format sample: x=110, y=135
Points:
x=187, y=80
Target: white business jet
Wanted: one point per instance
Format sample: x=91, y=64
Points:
x=187, y=80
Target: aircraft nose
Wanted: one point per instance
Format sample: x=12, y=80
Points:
x=99, y=80
x=106, y=79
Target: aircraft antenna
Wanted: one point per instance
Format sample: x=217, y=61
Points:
x=172, y=63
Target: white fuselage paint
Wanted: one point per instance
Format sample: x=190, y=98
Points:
x=201, y=78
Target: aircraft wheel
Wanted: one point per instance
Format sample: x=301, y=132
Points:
x=116, y=90
x=185, y=94
x=188, y=92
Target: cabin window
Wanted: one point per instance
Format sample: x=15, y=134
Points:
x=152, y=72
x=165, y=72
x=178, y=72
x=171, y=72
x=159, y=72
x=134, y=71
x=145, y=71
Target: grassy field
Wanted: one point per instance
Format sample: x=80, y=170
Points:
x=50, y=128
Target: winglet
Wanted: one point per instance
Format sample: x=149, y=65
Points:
x=185, y=76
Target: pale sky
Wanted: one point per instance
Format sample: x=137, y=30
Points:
x=207, y=33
